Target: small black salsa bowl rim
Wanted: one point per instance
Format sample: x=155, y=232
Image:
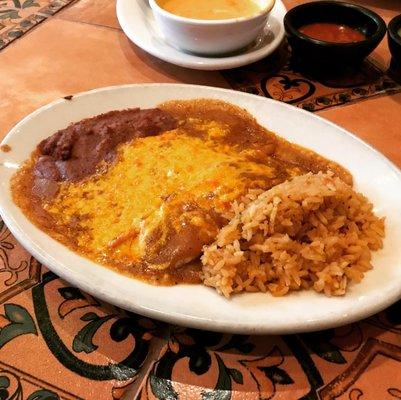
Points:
x=393, y=27
x=291, y=16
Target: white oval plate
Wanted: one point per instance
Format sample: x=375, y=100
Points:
x=196, y=305
x=137, y=22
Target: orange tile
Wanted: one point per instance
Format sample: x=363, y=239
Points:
x=62, y=57
x=97, y=12
x=377, y=121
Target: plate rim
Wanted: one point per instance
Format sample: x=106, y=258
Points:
x=207, y=63
x=179, y=318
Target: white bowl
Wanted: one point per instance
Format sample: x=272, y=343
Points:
x=211, y=36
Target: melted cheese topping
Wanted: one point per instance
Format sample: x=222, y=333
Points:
x=158, y=183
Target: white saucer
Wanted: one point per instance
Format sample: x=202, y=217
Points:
x=137, y=22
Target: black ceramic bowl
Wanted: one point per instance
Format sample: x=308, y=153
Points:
x=394, y=39
x=328, y=55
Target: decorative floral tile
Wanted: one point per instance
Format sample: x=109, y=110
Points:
x=57, y=342
x=18, y=269
x=19, y=16
x=370, y=376
x=69, y=341
x=337, y=363
x=275, y=77
x=206, y=365
x=16, y=384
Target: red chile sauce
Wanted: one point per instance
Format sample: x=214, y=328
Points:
x=330, y=32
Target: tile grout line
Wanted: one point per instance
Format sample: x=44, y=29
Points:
x=88, y=23
x=156, y=346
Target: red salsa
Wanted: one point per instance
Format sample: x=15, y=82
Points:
x=330, y=32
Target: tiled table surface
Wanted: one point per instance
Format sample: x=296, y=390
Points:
x=58, y=57
x=57, y=342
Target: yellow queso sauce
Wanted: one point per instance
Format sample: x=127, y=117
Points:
x=210, y=9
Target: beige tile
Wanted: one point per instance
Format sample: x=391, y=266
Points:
x=63, y=57
x=377, y=121
x=97, y=12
